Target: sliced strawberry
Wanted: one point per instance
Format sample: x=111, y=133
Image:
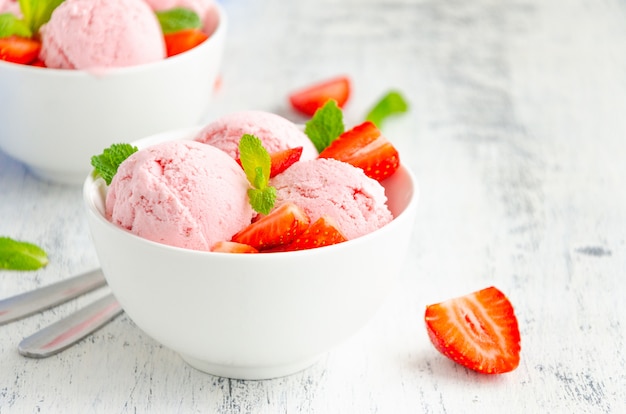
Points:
x=478, y=331
x=39, y=63
x=233, y=247
x=182, y=41
x=282, y=160
x=365, y=147
x=18, y=49
x=309, y=99
x=281, y=226
x=323, y=232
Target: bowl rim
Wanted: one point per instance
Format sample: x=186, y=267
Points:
x=94, y=184
x=218, y=33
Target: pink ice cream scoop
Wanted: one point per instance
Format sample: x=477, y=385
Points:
x=326, y=186
x=275, y=132
x=88, y=34
x=206, y=10
x=182, y=193
x=10, y=6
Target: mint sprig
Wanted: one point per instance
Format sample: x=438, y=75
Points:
x=390, y=104
x=20, y=255
x=325, y=125
x=11, y=25
x=37, y=12
x=256, y=163
x=107, y=163
x=177, y=19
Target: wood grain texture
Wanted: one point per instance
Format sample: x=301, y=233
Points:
x=517, y=134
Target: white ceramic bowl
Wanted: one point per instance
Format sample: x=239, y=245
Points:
x=54, y=120
x=252, y=316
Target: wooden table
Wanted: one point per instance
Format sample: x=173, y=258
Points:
x=517, y=134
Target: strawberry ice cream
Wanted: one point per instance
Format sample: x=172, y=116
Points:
x=182, y=193
x=10, y=6
x=88, y=34
x=323, y=186
x=206, y=10
x=275, y=132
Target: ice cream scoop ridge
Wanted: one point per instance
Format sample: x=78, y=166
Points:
x=182, y=193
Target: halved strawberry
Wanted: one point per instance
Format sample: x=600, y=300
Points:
x=323, y=232
x=18, y=49
x=478, y=331
x=38, y=63
x=281, y=226
x=365, y=147
x=183, y=40
x=309, y=99
x=282, y=160
x=232, y=247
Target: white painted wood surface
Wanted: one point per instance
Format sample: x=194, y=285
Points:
x=517, y=133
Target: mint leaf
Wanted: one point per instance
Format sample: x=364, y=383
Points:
x=392, y=103
x=259, y=178
x=263, y=199
x=19, y=255
x=325, y=125
x=256, y=163
x=37, y=12
x=11, y=25
x=107, y=163
x=177, y=19
x=255, y=160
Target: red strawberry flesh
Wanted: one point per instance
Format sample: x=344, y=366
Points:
x=281, y=226
x=323, y=232
x=479, y=331
x=282, y=160
x=183, y=40
x=365, y=147
x=309, y=99
x=19, y=49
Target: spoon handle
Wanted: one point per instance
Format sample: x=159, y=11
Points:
x=66, y=332
x=26, y=304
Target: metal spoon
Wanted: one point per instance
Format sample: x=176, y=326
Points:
x=66, y=332
x=25, y=304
